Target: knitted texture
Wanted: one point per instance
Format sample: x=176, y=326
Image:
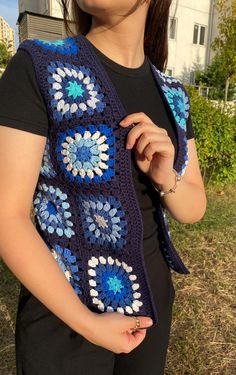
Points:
x=85, y=204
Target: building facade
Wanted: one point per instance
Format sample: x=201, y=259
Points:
x=44, y=7
x=40, y=19
x=7, y=36
x=192, y=28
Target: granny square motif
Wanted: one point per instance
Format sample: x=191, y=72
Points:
x=86, y=209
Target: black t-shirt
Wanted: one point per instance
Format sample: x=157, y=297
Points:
x=23, y=107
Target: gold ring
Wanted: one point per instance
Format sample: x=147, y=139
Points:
x=137, y=324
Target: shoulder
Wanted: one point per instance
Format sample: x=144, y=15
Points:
x=19, y=60
x=171, y=84
x=177, y=97
x=19, y=67
x=64, y=46
x=172, y=87
x=165, y=78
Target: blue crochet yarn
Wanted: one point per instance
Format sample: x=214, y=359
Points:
x=113, y=286
x=103, y=220
x=87, y=154
x=46, y=168
x=179, y=103
x=65, y=46
x=84, y=200
x=167, y=78
x=74, y=91
x=69, y=265
x=51, y=209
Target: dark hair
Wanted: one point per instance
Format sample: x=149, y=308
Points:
x=156, y=27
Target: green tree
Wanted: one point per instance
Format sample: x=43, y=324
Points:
x=215, y=77
x=224, y=44
x=220, y=75
x=5, y=55
x=215, y=140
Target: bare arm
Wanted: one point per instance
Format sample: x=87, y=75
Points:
x=21, y=247
x=188, y=203
x=28, y=257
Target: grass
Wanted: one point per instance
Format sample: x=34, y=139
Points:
x=203, y=340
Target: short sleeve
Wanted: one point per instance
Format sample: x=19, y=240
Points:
x=190, y=130
x=189, y=125
x=22, y=105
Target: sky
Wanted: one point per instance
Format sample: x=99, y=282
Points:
x=9, y=11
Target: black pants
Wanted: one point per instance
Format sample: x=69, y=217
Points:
x=45, y=345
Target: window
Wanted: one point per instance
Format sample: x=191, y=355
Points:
x=192, y=77
x=47, y=7
x=169, y=72
x=172, y=28
x=199, y=34
x=202, y=35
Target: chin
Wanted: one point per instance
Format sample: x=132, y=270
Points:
x=94, y=7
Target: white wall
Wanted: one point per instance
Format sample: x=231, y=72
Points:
x=184, y=56
x=56, y=9
x=47, y=7
x=29, y=5
x=214, y=28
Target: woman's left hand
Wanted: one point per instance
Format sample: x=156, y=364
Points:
x=154, y=150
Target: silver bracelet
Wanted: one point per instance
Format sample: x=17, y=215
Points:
x=172, y=190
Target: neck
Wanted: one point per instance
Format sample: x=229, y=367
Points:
x=119, y=40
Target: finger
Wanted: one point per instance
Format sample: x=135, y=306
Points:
x=143, y=127
x=137, y=131
x=135, y=117
x=164, y=148
x=137, y=337
x=130, y=322
x=147, y=138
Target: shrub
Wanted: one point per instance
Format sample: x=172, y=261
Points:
x=215, y=140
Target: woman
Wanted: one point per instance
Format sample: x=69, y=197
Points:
x=69, y=338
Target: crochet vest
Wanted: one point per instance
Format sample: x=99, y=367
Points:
x=86, y=209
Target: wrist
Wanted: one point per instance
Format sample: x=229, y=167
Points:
x=86, y=323
x=169, y=184
x=166, y=182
